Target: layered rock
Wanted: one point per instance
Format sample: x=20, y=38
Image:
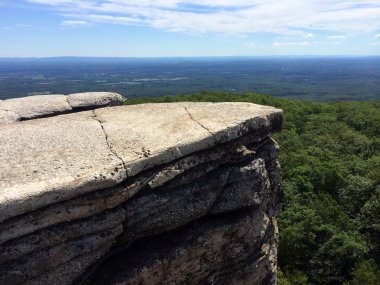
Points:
x=40, y=106
x=182, y=193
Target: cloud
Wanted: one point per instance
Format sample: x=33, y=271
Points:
x=23, y=25
x=282, y=44
x=377, y=36
x=337, y=37
x=284, y=17
x=74, y=23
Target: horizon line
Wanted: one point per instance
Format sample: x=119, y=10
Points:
x=168, y=57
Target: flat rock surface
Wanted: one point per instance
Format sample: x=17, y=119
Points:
x=47, y=160
x=151, y=134
x=54, y=159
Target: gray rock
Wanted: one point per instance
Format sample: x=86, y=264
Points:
x=38, y=262
x=66, y=273
x=7, y=117
x=94, y=100
x=37, y=106
x=48, y=237
x=232, y=249
x=135, y=132
x=78, y=153
x=233, y=186
x=74, y=209
x=158, y=193
x=40, y=106
x=48, y=160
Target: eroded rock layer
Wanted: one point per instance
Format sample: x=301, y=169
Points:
x=182, y=193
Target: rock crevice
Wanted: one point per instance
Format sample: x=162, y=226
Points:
x=211, y=133
x=107, y=142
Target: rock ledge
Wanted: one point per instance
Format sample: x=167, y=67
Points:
x=181, y=193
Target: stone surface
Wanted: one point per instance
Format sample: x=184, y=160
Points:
x=50, y=236
x=49, y=160
x=77, y=153
x=36, y=106
x=40, y=106
x=181, y=193
x=135, y=132
x=94, y=99
x=33, y=265
x=7, y=117
x=231, y=186
x=233, y=249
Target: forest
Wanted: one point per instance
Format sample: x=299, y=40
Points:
x=330, y=158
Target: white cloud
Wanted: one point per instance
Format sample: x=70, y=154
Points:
x=23, y=25
x=284, y=17
x=74, y=23
x=337, y=37
x=377, y=36
x=303, y=43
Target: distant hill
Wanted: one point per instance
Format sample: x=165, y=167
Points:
x=301, y=78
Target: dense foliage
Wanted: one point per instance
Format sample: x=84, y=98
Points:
x=330, y=157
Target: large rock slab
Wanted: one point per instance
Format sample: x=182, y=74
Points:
x=181, y=193
x=53, y=159
x=135, y=133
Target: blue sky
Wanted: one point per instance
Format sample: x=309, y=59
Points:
x=148, y=28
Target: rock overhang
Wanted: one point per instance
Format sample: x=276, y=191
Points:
x=77, y=189
x=48, y=160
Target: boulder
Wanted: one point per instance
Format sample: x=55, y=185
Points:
x=92, y=100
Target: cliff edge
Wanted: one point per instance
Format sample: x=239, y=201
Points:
x=180, y=193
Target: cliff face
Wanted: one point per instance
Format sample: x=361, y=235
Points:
x=182, y=193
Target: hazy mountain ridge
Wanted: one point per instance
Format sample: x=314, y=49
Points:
x=301, y=78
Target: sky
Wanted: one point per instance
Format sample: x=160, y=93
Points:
x=165, y=28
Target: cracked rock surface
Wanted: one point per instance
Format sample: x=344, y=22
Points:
x=182, y=193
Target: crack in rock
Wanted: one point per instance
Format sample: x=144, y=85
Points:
x=199, y=123
x=95, y=117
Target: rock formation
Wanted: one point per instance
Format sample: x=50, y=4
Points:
x=181, y=193
x=41, y=106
